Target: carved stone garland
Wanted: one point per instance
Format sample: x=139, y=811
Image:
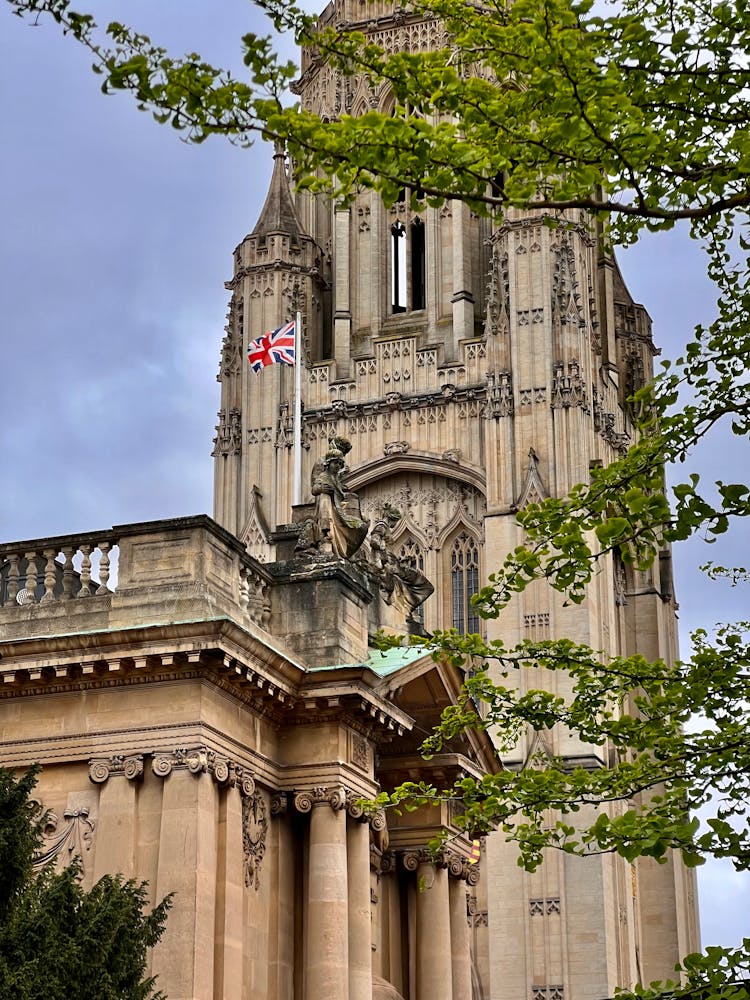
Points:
x=254, y=832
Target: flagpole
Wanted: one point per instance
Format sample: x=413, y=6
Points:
x=297, y=435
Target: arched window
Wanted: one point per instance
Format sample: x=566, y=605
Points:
x=418, y=290
x=464, y=583
x=398, y=267
x=408, y=257
x=411, y=552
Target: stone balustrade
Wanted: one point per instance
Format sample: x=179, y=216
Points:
x=192, y=558
x=57, y=569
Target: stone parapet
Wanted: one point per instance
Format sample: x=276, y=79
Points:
x=157, y=571
x=319, y=609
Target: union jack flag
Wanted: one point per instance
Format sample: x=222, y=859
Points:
x=276, y=347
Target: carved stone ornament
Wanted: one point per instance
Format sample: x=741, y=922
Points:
x=102, y=768
x=399, y=580
x=360, y=752
x=73, y=840
x=337, y=525
x=568, y=388
x=533, y=490
x=201, y=760
x=228, y=440
x=396, y=448
x=499, y=394
x=254, y=832
x=336, y=797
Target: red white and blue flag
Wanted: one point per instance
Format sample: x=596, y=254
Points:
x=276, y=347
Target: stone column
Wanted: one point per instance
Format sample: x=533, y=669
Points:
x=360, y=927
x=460, y=939
x=326, y=911
x=184, y=957
x=115, y=839
x=434, y=976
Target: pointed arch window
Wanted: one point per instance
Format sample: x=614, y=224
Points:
x=464, y=583
x=411, y=552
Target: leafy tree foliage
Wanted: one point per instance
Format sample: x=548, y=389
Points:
x=56, y=939
x=638, y=113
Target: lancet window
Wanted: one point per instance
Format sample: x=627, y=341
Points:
x=464, y=582
x=407, y=258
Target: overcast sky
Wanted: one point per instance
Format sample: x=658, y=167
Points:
x=116, y=241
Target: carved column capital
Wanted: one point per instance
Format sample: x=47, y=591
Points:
x=279, y=803
x=460, y=867
x=102, y=768
x=200, y=760
x=411, y=860
x=335, y=797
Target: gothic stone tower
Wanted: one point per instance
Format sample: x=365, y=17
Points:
x=475, y=369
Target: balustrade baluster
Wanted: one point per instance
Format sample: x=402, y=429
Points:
x=244, y=587
x=104, y=548
x=68, y=581
x=85, y=590
x=50, y=576
x=31, y=577
x=14, y=574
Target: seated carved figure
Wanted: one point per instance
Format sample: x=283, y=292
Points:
x=401, y=583
x=337, y=524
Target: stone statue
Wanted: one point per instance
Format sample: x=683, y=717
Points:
x=401, y=583
x=337, y=524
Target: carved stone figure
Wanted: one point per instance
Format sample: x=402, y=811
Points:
x=401, y=583
x=337, y=524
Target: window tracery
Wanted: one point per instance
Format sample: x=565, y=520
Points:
x=464, y=555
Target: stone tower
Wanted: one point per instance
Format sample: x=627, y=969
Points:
x=475, y=368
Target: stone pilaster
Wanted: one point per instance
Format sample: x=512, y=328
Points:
x=118, y=777
x=187, y=867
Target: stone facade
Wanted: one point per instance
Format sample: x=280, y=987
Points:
x=193, y=734
x=475, y=368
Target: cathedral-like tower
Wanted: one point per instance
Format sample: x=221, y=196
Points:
x=475, y=368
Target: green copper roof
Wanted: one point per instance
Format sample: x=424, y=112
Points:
x=383, y=662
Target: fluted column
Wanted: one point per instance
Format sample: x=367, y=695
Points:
x=460, y=940
x=434, y=976
x=327, y=952
x=360, y=928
